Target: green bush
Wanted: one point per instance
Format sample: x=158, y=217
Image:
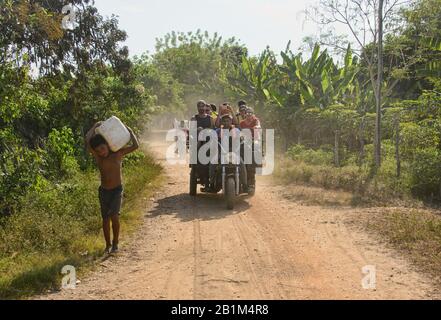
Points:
x=60, y=153
x=425, y=172
x=359, y=180
x=310, y=156
x=19, y=173
x=416, y=137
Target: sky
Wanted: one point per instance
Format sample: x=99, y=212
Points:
x=256, y=23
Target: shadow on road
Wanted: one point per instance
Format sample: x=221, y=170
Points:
x=203, y=207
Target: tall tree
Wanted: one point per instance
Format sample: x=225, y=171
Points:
x=377, y=148
x=367, y=22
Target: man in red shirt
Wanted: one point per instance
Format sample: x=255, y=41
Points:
x=252, y=123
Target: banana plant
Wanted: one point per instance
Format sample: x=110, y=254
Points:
x=319, y=80
x=255, y=77
x=432, y=67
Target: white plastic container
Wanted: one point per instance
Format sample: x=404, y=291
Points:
x=115, y=133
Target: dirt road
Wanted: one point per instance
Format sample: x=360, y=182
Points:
x=268, y=248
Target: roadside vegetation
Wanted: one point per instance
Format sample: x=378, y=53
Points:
x=61, y=225
x=54, y=85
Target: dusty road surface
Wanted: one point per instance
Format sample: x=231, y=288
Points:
x=267, y=248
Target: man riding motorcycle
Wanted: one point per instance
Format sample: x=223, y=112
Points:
x=203, y=121
x=226, y=124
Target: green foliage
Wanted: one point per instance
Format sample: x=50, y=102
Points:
x=316, y=157
x=60, y=153
x=416, y=137
x=425, y=172
x=19, y=173
x=35, y=29
x=190, y=66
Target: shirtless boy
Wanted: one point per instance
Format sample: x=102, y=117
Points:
x=111, y=189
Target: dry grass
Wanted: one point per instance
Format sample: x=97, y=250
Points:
x=353, y=183
x=307, y=195
x=415, y=232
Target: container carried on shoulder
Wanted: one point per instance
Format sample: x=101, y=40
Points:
x=115, y=133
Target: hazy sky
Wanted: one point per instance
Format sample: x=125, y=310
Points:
x=257, y=23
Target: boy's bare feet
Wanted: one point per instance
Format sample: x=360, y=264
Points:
x=114, y=248
x=108, y=249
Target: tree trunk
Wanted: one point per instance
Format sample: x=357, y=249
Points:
x=397, y=146
x=377, y=152
x=336, y=149
x=361, y=137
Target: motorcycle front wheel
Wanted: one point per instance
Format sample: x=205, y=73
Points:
x=230, y=192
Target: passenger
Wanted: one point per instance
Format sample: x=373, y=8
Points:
x=226, y=109
x=251, y=122
x=208, y=110
x=213, y=110
x=227, y=124
x=241, y=103
x=242, y=115
x=204, y=121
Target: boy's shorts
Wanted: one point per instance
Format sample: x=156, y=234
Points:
x=110, y=201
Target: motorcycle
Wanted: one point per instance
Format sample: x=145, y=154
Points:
x=228, y=175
